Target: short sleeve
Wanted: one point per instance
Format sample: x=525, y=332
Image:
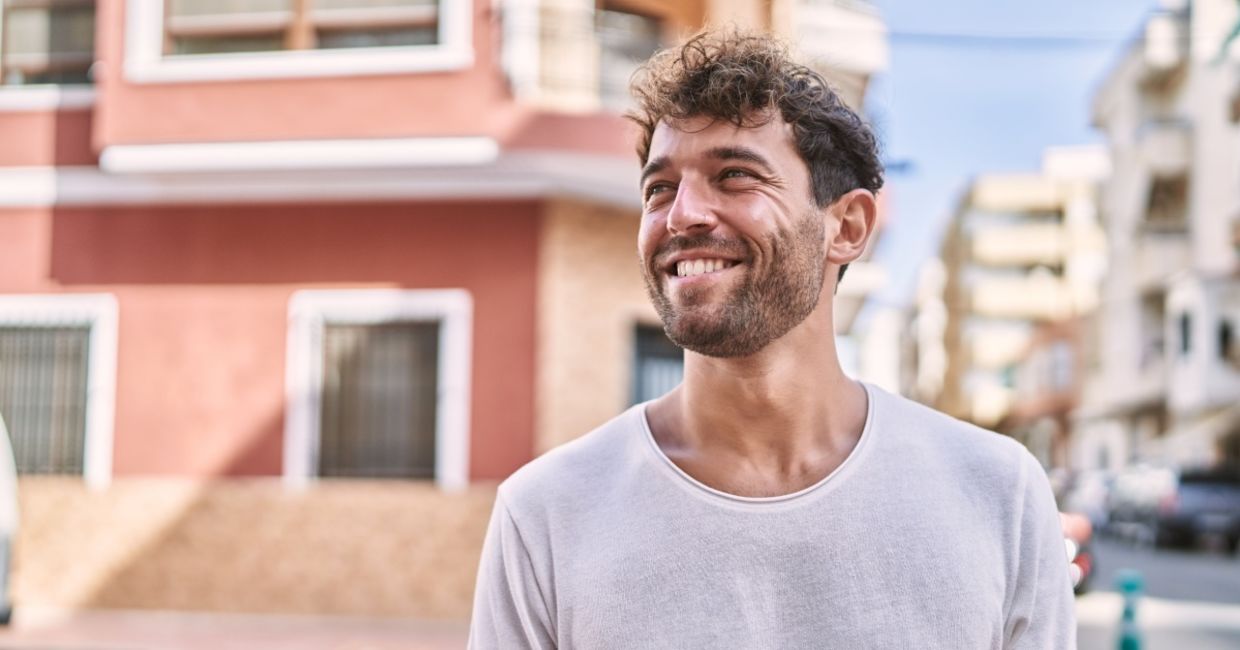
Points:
x=510, y=609
x=1042, y=613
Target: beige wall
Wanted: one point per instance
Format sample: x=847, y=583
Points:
x=590, y=296
x=353, y=548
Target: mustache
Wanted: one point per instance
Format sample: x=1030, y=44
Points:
x=704, y=242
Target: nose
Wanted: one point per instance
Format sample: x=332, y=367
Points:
x=692, y=211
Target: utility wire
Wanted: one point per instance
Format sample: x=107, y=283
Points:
x=979, y=39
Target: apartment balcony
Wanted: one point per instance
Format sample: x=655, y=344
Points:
x=566, y=55
x=1035, y=296
x=1161, y=254
x=846, y=38
x=1166, y=45
x=1020, y=245
x=1166, y=146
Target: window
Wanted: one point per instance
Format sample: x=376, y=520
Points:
x=231, y=26
x=625, y=40
x=1167, y=204
x=378, y=401
x=46, y=41
x=43, y=396
x=1227, y=348
x=1186, y=333
x=659, y=364
x=378, y=385
x=223, y=40
x=57, y=383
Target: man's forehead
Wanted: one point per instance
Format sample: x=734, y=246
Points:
x=702, y=132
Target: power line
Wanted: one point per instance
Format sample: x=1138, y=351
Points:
x=980, y=39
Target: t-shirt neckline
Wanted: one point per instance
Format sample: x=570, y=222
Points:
x=837, y=476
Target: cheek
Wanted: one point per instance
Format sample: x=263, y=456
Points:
x=648, y=236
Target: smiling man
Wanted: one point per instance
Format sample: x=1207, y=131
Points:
x=769, y=501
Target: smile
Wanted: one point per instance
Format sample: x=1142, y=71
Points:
x=690, y=268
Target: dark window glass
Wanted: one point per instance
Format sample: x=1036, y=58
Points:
x=1186, y=333
x=379, y=400
x=1167, y=204
x=1226, y=341
x=43, y=396
x=46, y=41
x=625, y=41
x=232, y=26
x=659, y=364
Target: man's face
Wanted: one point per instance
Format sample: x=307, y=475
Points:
x=731, y=243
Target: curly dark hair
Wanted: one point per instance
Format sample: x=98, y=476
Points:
x=744, y=78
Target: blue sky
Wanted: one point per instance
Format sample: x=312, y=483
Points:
x=975, y=86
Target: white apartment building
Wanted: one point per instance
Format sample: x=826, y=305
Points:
x=1166, y=387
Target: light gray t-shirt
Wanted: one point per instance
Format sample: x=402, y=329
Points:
x=932, y=534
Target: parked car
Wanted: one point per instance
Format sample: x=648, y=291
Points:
x=1134, y=499
x=8, y=520
x=1204, y=504
x=1078, y=536
x=1087, y=494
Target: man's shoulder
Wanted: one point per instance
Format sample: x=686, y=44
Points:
x=934, y=434
x=583, y=463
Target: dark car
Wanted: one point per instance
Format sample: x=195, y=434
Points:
x=1204, y=504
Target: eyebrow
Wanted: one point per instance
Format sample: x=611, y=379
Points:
x=718, y=153
x=741, y=153
x=653, y=167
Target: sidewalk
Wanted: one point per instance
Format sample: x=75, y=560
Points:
x=1163, y=623
x=159, y=630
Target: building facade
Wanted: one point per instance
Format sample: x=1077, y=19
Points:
x=1022, y=251
x=1167, y=384
x=286, y=288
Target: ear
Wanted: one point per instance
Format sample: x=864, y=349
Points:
x=856, y=213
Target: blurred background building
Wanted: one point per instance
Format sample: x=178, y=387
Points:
x=287, y=286
x=1167, y=385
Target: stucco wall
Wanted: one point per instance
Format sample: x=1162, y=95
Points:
x=590, y=298
x=372, y=548
x=203, y=296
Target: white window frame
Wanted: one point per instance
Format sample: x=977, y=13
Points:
x=46, y=97
x=145, y=61
x=99, y=313
x=311, y=310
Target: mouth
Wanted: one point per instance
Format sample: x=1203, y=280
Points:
x=697, y=270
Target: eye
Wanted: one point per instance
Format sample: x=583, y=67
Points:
x=654, y=189
x=735, y=172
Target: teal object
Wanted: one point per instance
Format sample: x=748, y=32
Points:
x=1130, y=584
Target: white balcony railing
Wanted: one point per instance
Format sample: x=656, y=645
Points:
x=1020, y=245
x=1032, y=297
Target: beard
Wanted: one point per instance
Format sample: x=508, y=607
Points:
x=761, y=307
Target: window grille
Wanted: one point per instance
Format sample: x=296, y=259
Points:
x=379, y=398
x=46, y=41
x=233, y=26
x=43, y=379
x=626, y=41
x=659, y=366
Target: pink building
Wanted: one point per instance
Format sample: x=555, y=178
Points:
x=287, y=286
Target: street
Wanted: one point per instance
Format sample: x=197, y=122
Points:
x=1192, y=601
x=1192, y=598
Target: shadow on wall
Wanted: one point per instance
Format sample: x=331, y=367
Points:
x=349, y=547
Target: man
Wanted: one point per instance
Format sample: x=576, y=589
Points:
x=768, y=501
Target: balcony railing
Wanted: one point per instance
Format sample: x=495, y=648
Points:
x=46, y=41
x=574, y=57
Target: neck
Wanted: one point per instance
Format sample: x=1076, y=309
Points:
x=785, y=416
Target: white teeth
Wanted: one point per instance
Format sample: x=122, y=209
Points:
x=687, y=268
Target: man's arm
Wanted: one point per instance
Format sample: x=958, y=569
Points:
x=510, y=609
x=1042, y=615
